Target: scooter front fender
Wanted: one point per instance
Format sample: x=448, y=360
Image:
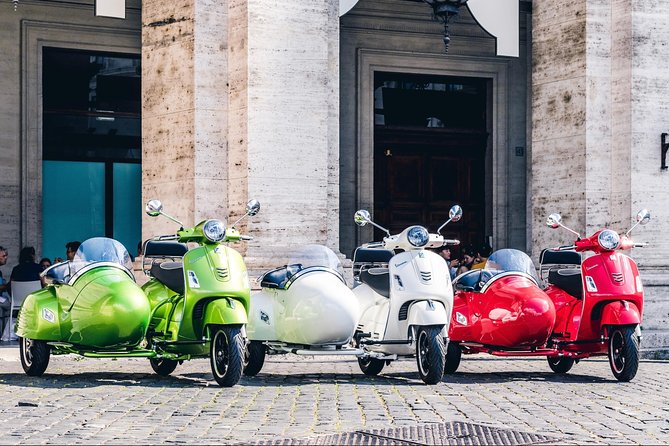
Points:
x=620, y=313
x=427, y=312
x=225, y=311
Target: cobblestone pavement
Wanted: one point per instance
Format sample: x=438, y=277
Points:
x=121, y=401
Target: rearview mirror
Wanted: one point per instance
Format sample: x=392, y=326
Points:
x=643, y=216
x=362, y=217
x=554, y=221
x=154, y=208
x=252, y=207
x=455, y=214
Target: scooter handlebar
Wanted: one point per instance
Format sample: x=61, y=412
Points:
x=565, y=248
x=165, y=237
x=451, y=242
x=245, y=237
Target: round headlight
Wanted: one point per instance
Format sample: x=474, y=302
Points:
x=214, y=230
x=418, y=236
x=608, y=239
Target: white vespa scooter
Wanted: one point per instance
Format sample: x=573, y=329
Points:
x=304, y=308
x=405, y=299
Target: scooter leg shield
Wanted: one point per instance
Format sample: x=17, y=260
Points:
x=620, y=313
x=428, y=312
x=225, y=312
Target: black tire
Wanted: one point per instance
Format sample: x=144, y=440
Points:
x=163, y=367
x=560, y=364
x=227, y=354
x=623, y=353
x=254, y=358
x=430, y=354
x=371, y=366
x=34, y=356
x=453, y=355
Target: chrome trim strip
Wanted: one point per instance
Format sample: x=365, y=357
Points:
x=313, y=269
x=507, y=274
x=90, y=266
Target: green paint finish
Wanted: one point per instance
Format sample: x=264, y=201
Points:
x=38, y=317
x=225, y=312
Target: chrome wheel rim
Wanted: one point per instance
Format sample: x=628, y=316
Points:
x=616, y=346
x=423, y=350
x=220, y=353
x=27, y=351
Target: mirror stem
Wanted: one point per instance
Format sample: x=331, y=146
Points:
x=444, y=225
x=630, y=230
x=239, y=219
x=571, y=230
x=172, y=218
x=380, y=227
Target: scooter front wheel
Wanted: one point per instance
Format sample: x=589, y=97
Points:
x=227, y=354
x=255, y=358
x=430, y=354
x=453, y=355
x=34, y=356
x=163, y=367
x=623, y=353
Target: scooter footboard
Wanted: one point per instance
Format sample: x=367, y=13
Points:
x=225, y=312
x=428, y=312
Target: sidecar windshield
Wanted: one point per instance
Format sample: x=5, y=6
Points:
x=506, y=260
x=316, y=255
x=100, y=249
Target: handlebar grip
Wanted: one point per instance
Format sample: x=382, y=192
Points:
x=451, y=242
x=565, y=248
x=166, y=237
x=374, y=245
x=641, y=244
x=245, y=237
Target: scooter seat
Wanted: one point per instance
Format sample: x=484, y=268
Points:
x=567, y=279
x=277, y=278
x=170, y=274
x=378, y=279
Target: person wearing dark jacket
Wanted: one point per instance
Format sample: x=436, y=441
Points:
x=27, y=270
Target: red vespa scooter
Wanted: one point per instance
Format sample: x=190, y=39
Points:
x=593, y=309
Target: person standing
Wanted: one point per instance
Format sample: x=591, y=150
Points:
x=5, y=300
x=71, y=249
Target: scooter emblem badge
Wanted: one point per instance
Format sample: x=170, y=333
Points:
x=264, y=317
x=48, y=315
x=461, y=318
x=192, y=280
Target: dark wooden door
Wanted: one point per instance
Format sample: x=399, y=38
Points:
x=419, y=175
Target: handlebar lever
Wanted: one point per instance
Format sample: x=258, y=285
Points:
x=373, y=245
x=565, y=248
x=454, y=242
x=165, y=237
x=641, y=244
x=245, y=237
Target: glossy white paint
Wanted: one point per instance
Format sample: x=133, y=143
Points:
x=318, y=309
x=380, y=315
x=501, y=19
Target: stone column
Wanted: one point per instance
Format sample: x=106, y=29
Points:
x=241, y=100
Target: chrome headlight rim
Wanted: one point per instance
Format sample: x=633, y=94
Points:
x=418, y=236
x=608, y=240
x=214, y=230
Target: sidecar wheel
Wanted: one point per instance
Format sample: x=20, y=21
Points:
x=430, y=354
x=560, y=364
x=163, y=367
x=371, y=366
x=255, y=358
x=34, y=356
x=453, y=355
x=227, y=355
x=623, y=353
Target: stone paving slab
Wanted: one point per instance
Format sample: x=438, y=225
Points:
x=104, y=401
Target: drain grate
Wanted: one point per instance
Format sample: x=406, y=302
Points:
x=454, y=433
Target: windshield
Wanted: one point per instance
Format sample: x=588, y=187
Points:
x=316, y=255
x=506, y=260
x=100, y=249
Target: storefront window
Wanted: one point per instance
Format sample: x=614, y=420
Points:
x=91, y=171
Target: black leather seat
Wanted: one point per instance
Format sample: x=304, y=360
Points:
x=372, y=255
x=170, y=274
x=378, y=279
x=158, y=248
x=277, y=278
x=551, y=257
x=568, y=279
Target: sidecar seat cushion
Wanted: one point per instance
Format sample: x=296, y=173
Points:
x=568, y=279
x=277, y=278
x=378, y=279
x=468, y=281
x=170, y=274
x=158, y=248
x=551, y=257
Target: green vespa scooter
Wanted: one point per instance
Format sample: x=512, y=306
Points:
x=195, y=304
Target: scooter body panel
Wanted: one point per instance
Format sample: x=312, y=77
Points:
x=316, y=309
x=510, y=312
x=416, y=277
x=39, y=316
x=620, y=313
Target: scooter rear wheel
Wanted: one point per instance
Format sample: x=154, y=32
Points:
x=453, y=355
x=371, y=366
x=623, y=353
x=255, y=358
x=560, y=364
x=163, y=367
x=430, y=354
x=227, y=354
x=34, y=356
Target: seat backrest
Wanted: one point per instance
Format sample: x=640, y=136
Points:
x=365, y=258
x=21, y=289
x=550, y=259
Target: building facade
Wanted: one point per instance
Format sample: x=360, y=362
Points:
x=318, y=115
